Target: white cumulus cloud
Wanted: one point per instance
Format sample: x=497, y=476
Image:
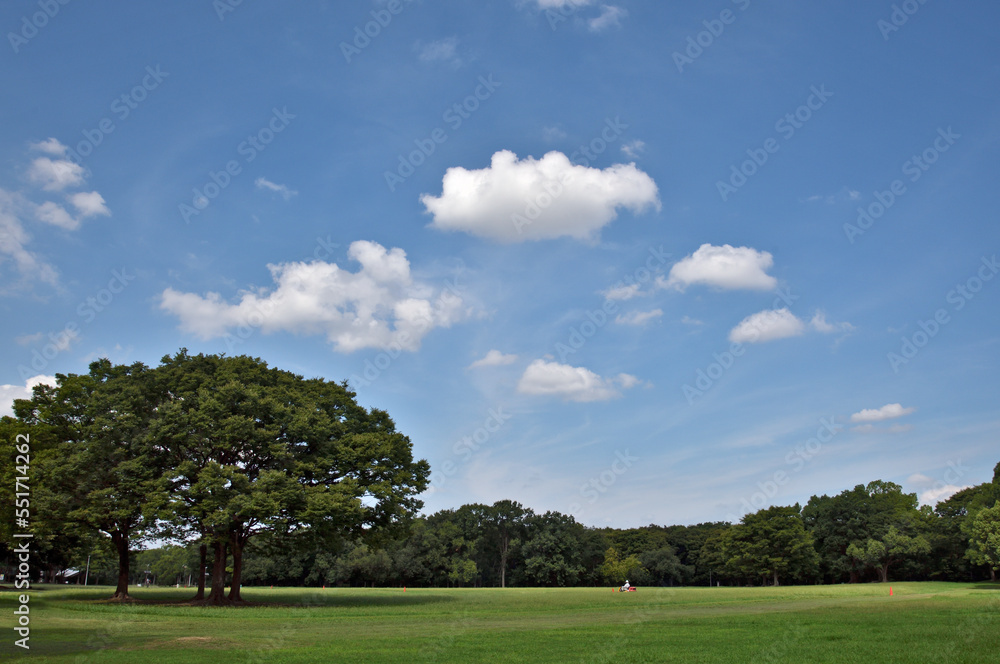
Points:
x=8, y=393
x=493, y=358
x=726, y=267
x=547, y=378
x=886, y=412
x=55, y=214
x=767, y=325
x=932, y=491
x=89, y=204
x=378, y=306
x=936, y=494
x=51, y=175
x=55, y=174
x=513, y=200
x=50, y=146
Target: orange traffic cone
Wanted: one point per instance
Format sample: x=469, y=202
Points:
x=890, y=591
x=404, y=589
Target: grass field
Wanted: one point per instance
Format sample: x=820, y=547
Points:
x=921, y=622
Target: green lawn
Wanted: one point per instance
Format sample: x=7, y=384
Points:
x=921, y=622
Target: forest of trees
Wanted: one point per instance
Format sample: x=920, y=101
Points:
x=258, y=476
x=872, y=532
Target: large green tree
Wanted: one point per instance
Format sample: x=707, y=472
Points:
x=505, y=528
x=554, y=551
x=984, y=538
x=663, y=566
x=260, y=449
x=771, y=543
x=857, y=515
x=99, y=465
x=217, y=448
x=890, y=548
x=948, y=539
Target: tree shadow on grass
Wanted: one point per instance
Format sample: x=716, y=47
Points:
x=49, y=643
x=987, y=586
x=319, y=598
x=332, y=598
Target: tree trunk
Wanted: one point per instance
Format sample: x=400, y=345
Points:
x=237, y=542
x=202, y=568
x=120, y=540
x=993, y=574
x=217, y=595
x=775, y=577
x=883, y=573
x=855, y=577
x=504, y=551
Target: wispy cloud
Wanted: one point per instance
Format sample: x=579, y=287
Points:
x=611, y=16
x=625, y=292
x=845, y=195
x=442, y=50
x=638, y=318
x=820, y=324
x=493, y=358
x=553, y=133
x=283, y=190
x=633, y=149
x=886, y=412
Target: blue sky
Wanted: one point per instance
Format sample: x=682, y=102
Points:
x=640, y=262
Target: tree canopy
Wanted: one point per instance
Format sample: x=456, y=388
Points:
x=218, y=449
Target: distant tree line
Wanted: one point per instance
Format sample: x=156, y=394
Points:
x=872, y=532
x=262, y=477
